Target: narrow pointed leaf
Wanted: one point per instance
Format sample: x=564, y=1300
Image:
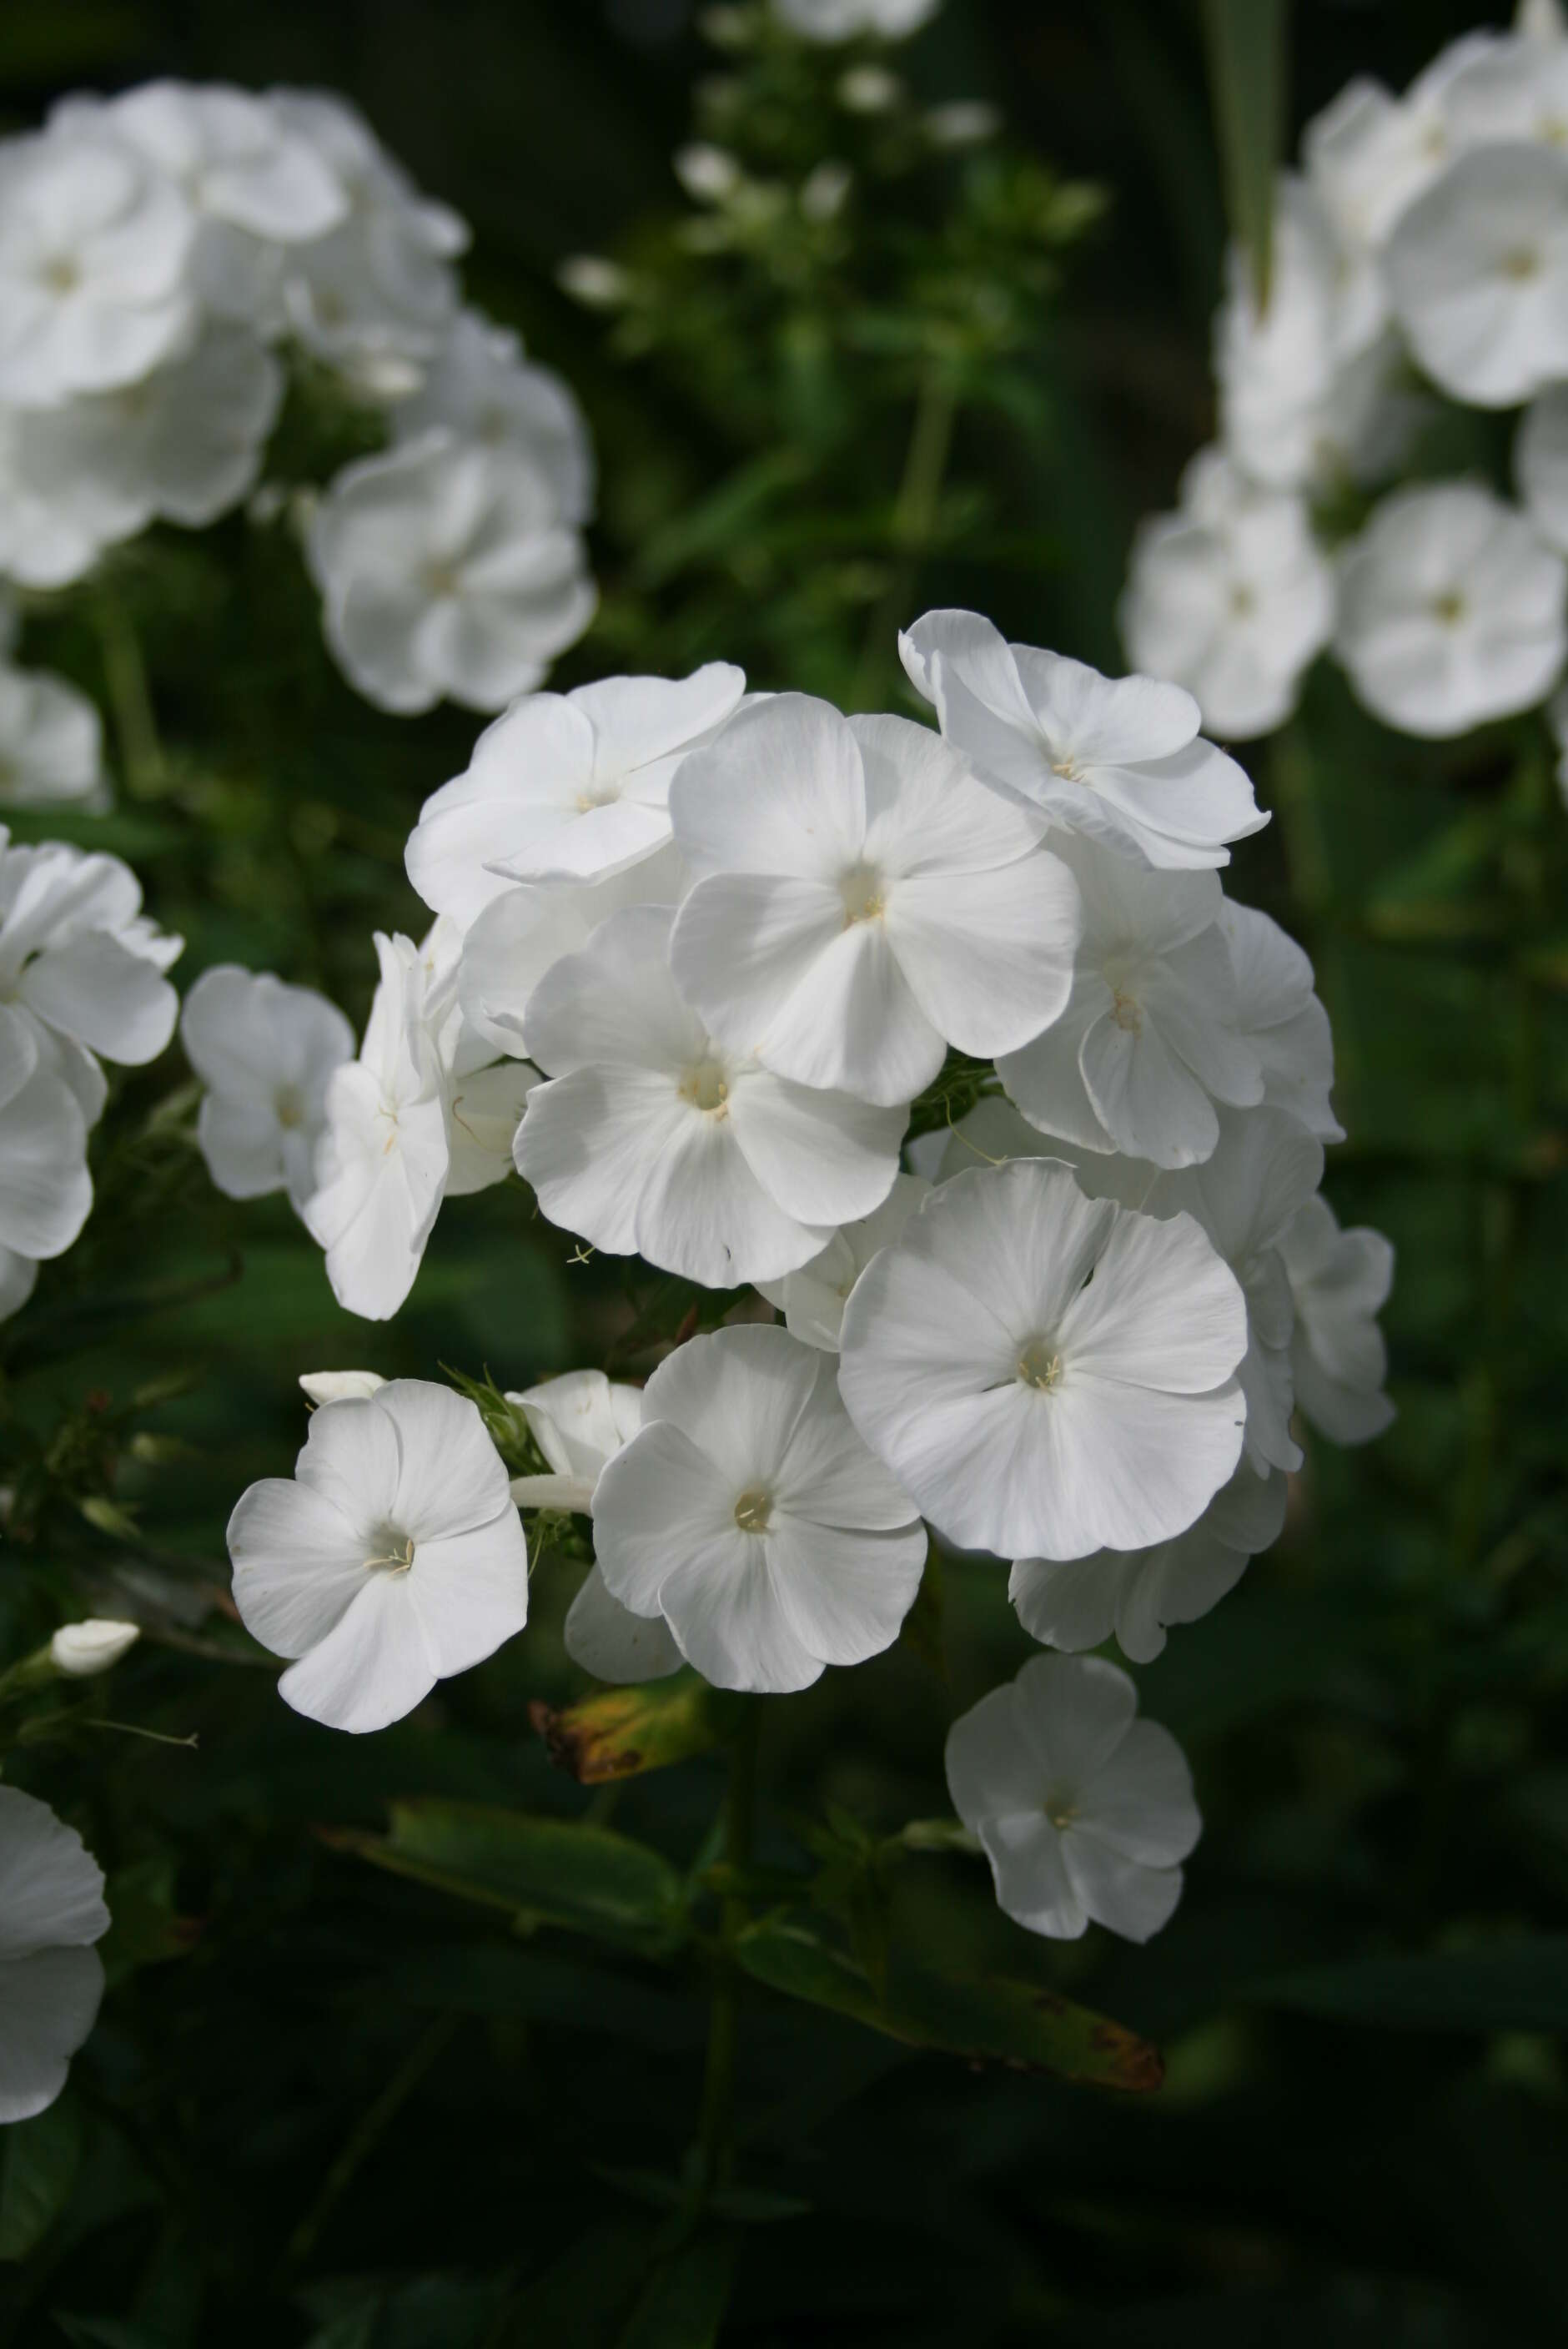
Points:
x=1246, y=41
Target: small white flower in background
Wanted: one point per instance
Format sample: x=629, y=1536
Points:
x=825, y=190
x=393, y=1558
x=479, y=384
x=579, y=1420
x=51, y=1979
x=79, y=964
x=650, y=1140
x=750, y=1515
x=1451, y=610
x=566, y=786
x=1137, y=1595
x=1085, y=1812
x=517, y=937
x=95, y=248
x=1515, y=91
x=861, y=901
x=1117, y=759
x=962, y=122
x=1045, y=1373
x=1229, y=597
x=1339, y=1281
x=812, y=1300
x=1282, y=1019
x=51, y=743
x=1541, y=465
x=265, y=1051
x=841, y=20
x=1152, y=1039
x=445, y=571
x=57, y=513
x=1477, y=273
x=81, y=1651
x=709, y=175
x=868, y=89
x=340, y=1386
x=598, y=284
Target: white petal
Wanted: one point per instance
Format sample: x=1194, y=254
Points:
x=1118, y=1893
x=608, y=1641
x=373, y=1667
x=106, y=997
x=844, y=1594
x=48, y=2004
x=298, y=1563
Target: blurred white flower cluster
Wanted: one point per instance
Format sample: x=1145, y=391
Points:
x=163, y=254
x=945, y=1040
x=1419, y=257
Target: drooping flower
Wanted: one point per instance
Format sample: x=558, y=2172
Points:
x=812, y=1300
x=579, y=1420
x=1119, y=759
x=566, y=786
x=481, y=386
x=748, y=1512
x=265, y=1051
x=95, y=248
x=1451, y=610
x=651, y=1140
x=51, y=743
x=51, y=1912
x=1137, y=1595
x=1478, y=273
x=1085, y=1813
x=861, y=901
x=1230, y=597
x=1152, y=1039
x=445, y=571
x=393, y=1558
x=1540, y=463
x=1339, y=1280
x=1045, y=1373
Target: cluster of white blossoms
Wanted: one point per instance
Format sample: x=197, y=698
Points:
x=696, y=955
x=1421, y=250
x=81, y=981
x=163, y=255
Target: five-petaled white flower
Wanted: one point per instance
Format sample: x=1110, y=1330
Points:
x=1339, y=1281
x=651, y=1140
x=1117, y=758
x=51, y=1978
x=861, y=901
x=1048, y=1374
x=393, y=1558
x=1477, y=271
x=265, y=1053
x=750, y=1515
x=1085, y=1812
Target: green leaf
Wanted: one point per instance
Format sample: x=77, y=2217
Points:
x=1518, y=1986
x=1246, y=42
x=545, y=1871
x=992, y=2021
x=38, y=2164
x=621, y=1731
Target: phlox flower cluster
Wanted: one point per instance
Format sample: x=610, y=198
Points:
x=1419, y=262
x=167, y=256
x=702, y=964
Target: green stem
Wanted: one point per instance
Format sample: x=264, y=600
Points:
x=716, y=2123
x=1311, y=868
x=142, y=765
x=366, y=2134
x=913, y=523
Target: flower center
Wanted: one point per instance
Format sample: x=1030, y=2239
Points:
x=604, y=793
x=1449, y=608
x=1126, y=1012
x=753, y=1510
x=1523, y=261
x=1243, y=603
x=63, y=274
x=442, y=579
x=1039, y=1365
x=705, y=1088
x=864, y=893
x=1067, y=768
x=287, y=1106
x=393, y=1551
x=1061, y=1811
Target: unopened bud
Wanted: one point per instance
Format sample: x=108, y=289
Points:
x=81, y=1649
x=341, y=1386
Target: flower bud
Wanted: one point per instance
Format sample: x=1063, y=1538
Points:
x=340, y=1386
x=81, y=1649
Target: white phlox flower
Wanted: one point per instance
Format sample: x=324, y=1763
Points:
x=566, y=786
x=1452, y=612
x=1046, y=1374
x=651, y=1140
x=1085, y=1812
x=579, y=1420
x=445, y=571
x=79, y=965
x=861, y=901
x=94, y=249
x=841, y=20
x=1541, y=465
x=749, y=1514
x=1282, y=1019
x=1339, y=1281
x=1515, y=91
x=51, y=1978
x=1152, y=1039
x=1137, y=1595
x=481, y=385
x=517, y=936
x=51, y=743
x=1477, y=273
x=265, y=1052
x=1230, y=597
x=393, y=1558
x=1119, y=759
x=812, y=1300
